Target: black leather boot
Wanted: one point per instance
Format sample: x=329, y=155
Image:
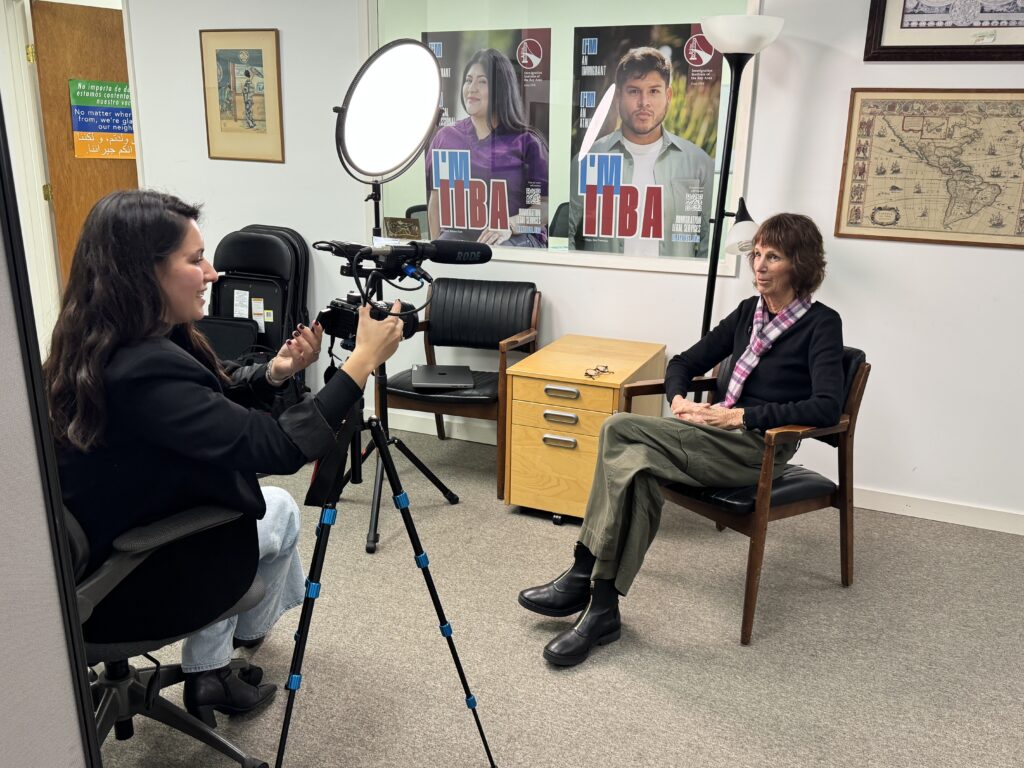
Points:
x=252, y=645
x=224, y=691
x=566, y=595
x=599, y=624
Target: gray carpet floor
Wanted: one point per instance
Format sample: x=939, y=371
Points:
x=917, y=664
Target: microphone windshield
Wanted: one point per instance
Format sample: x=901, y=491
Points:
x=458, y=252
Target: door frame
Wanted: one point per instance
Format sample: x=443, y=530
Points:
x=20, y=85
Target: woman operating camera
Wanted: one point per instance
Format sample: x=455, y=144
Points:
x=149, y=423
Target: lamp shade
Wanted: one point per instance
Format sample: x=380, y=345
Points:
x=741, y=33
x=740, y=241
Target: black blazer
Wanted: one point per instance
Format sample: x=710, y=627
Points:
x=177, y=438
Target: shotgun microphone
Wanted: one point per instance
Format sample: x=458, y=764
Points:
x=440, y=251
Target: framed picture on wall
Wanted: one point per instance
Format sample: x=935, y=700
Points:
x=945, y=30
x=933, y=165
x=242, y=94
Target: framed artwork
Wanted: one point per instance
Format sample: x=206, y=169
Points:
x=934, y=165
x=945, y=30
x=242, y=94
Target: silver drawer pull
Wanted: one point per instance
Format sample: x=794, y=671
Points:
x=569, y=393
x=559, y=442
x=561, y=417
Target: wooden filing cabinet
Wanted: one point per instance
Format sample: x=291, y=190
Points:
x=555, y=413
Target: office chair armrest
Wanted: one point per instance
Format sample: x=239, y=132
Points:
x=168, y=529
x=793, y=432
x=133, y=547
x=519, y=340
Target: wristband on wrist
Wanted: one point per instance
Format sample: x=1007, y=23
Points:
x=275, y=382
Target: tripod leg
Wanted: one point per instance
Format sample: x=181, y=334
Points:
x=451, y=497
x=402, y=502
x=372, y=537
x=328, y=515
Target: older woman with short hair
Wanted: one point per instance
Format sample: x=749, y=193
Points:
x=787, y=351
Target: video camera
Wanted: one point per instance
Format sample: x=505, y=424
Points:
x=341, y=317
x=390, y=262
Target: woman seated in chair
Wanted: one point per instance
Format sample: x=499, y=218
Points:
x=788, y=369
x=148, y=423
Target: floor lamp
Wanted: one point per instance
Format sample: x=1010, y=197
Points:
x=739, y=38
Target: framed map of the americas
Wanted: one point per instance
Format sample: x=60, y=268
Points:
x=942, y=166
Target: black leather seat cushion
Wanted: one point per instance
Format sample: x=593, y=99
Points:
x=484, y=390
x=795, y=484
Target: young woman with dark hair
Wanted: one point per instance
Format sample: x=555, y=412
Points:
x=502, y=145
x=149, y=423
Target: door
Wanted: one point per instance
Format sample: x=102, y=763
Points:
x=76, y=42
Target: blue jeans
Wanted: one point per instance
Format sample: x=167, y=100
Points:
x=278, y=532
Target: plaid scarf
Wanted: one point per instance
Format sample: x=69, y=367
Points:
x=762, y=338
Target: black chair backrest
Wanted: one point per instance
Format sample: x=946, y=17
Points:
x=852, y=359
x=78, y=545
x=254, y=253
x=478, y=313
x=560, y=222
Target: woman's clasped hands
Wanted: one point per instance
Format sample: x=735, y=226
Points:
x=703, y=413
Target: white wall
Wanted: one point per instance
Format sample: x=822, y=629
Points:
x=927, y=315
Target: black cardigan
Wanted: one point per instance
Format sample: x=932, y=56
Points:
x=177, y=438
x=799, y=381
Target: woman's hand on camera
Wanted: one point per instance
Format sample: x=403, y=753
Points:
x=297, y=352
x=376, y=341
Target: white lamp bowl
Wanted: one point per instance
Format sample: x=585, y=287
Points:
x=740, y=240
x=740, y=33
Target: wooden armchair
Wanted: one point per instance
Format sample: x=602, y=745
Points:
x=479, y=314
x=798, y=490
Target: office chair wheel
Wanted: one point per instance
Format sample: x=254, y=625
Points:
x=253, y=762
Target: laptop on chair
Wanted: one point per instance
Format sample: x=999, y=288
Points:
x=442, y=377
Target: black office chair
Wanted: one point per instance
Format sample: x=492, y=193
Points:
x=419, y=212
x=478, y=314
x=560, y=222
x=122, y=691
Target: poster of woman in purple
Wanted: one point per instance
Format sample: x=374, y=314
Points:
x=487, y=164
x=645, y=186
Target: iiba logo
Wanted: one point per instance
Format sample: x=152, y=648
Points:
x=463, y=199
x=614, y=209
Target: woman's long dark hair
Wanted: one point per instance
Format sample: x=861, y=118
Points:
x=112, y=299
x=505, y=102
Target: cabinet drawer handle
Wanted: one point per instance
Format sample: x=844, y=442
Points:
x=559, y=442
x=561, y=417
x=569, y=393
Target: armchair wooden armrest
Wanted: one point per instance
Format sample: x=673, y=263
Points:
x=519, y=340
x=657, y=387
x=793, y=432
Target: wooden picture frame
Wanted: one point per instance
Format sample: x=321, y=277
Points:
x=934, y=165
x=242, y=94
x=939, y=34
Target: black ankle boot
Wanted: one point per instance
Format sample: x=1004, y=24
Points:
x=566, y=595
x=224, y=691
x=599, y=624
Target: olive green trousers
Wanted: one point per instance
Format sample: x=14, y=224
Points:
x=636, y=455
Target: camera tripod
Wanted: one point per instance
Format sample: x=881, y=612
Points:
x=328, y=482
x=354, y=475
